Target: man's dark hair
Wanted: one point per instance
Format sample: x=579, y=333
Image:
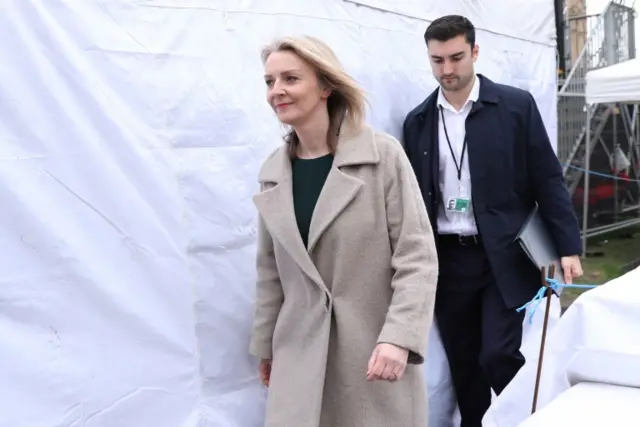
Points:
x=449, y=27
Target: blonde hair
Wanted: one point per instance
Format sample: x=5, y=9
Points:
x=347, y=100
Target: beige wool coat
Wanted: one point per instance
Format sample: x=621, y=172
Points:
x=368, y=276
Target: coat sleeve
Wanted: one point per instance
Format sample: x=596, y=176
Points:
x=554, y=201
x=414, y=260
x=269, y=296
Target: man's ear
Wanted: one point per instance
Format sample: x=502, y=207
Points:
x=474, y=52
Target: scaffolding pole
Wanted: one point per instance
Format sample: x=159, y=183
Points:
x=585, y=193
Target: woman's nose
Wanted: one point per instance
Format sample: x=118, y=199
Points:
x=278, y=88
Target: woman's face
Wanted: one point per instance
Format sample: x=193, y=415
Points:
x=293, y=89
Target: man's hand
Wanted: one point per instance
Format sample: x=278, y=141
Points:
x=265, y=371
x=571, y=267
x=387, y=362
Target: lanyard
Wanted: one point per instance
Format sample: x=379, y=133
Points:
x=464, y=146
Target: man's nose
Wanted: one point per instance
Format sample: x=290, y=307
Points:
x=448, y=68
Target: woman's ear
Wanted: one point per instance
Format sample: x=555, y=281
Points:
x=326, y=93
x=325, y=88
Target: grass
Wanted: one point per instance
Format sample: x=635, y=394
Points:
x=608, y=256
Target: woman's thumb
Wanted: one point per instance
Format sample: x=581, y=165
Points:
x=372, y=360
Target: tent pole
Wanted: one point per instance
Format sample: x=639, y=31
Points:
x=616, y=147
x=587, y=166
x=635, y=117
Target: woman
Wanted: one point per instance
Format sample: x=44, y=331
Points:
x=346, y=258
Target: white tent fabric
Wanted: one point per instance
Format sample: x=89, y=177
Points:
x=592, y=357
x=590, y=405
x=131, y=134
x=615, y=83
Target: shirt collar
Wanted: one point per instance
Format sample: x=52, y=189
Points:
x=473, y=95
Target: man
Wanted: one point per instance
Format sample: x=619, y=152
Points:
x=483, y=159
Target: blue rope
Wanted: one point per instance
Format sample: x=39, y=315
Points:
x=603, y=175
x=554, y=285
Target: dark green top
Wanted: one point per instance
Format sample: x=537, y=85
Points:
x=309, y=176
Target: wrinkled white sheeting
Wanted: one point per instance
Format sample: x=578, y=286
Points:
x=597, y=341
x=615, y=83
x=532, y=20
x=131, y=134
x=590, y=405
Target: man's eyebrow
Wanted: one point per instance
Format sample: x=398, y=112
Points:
x=450, y=56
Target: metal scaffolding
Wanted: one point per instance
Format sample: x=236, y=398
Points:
x=599, y=142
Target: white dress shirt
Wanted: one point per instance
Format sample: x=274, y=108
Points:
x=449, y=222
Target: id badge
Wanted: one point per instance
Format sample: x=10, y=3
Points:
x=457, y=204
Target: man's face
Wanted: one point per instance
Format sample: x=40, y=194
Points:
x=452, y=62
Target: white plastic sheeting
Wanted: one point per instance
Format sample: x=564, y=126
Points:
x=533, y=21
x=615, y=83
x=596, y=341
x=131, y=134
x=590, y=405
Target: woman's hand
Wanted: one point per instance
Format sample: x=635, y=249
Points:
x=387, y=362
x=265, y=371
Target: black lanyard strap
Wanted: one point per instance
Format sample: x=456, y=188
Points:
x=464, y=146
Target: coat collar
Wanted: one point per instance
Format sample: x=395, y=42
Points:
x=356, y=146
x=275, y=202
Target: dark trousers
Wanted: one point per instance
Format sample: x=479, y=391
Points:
x=481, y=337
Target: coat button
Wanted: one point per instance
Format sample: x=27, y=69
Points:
x=425, y=153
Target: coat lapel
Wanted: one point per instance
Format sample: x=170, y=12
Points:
x=275, y=202
x=480, y=134
x=355, y=147
x=275, y=205
x=338, y=191
x=429, y=144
